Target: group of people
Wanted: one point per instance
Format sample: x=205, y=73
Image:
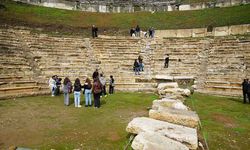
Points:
x=98, y=88
x=55, y=84
x=136, y=32
x=246, y=90
x=138, y=65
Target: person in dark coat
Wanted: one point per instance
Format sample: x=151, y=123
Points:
x=97, y=90
x=166, y=61
x=137, y=31
x=136, y=67
x=111, y=85
x=248, y=90
x=94, y=31
x=244, y=89
x=95, y=74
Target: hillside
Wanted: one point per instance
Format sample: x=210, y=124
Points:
x=76, y=22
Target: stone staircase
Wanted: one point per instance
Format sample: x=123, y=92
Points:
x=170, y=123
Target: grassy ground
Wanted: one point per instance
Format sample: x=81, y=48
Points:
x=225, y=121
x=43, y=122
x=76, y=22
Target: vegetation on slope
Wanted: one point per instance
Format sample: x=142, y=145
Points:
x=225, y=121
x=77, y=22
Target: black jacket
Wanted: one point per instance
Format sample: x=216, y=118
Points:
x=244, y=86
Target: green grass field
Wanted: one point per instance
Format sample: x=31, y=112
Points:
x=44, y=122
x=76, y=22
x=225, y=121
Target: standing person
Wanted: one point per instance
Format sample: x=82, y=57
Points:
x=95, y=74
x=141, y=65
x=77, y=92
x=137, y=31
x=153, y=32
x=58, y=85
x=132, y=31
x=94, y=31
x=67, y=87
x=166, y=61
x=52, y=85
x=111, y=85
x=103, y=82
x=248, y=90
x=136, y=67
x=87, y=92
x=150, y=32
x=97, y=89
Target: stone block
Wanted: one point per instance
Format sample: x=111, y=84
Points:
x=176, y=116
x=185, y=135
x=153, y=141
x=171, y=103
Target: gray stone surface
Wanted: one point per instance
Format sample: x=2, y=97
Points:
x=153, y=141
x=181, y=117
x=185, y=135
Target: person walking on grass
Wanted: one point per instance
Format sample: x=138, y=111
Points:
x=103, y=82
x=67, y=89
x=77, y=92
x=244, y=89
x=111, y=85
x=87, y=92
x=97, y=90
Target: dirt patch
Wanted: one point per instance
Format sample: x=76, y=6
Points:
x=226, y=120
x=113, y=136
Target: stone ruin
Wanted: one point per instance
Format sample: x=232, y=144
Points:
x=215, y=65
x=171, y=125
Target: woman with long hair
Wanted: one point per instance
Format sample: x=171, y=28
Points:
x=77, y=92
x=67, y=86
x=97, y=90
x=87, y=92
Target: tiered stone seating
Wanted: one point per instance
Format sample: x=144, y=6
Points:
x=183, y=55
x=218, y=64
x=226, y=67
x=116, y=56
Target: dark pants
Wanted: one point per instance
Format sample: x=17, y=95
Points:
x=245, y=95
x=97, y=102
x=111, y=89
x=166, y=64
x=104, y=90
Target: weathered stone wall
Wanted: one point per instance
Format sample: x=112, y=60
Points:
x=202, y=32
x=134, y=6
x=217, y=64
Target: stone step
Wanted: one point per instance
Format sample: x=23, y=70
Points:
x=185, y=135
x=176, y=116
x=153, y=141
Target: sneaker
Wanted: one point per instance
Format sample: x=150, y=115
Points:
x=105, y=95
x=79, y=106
x=101, y=96
x=86, y=105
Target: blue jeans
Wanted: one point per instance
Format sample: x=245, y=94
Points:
x=87, y=97
x=77, y=98
x=66, y=99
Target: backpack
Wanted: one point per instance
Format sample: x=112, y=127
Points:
x=97, y=88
